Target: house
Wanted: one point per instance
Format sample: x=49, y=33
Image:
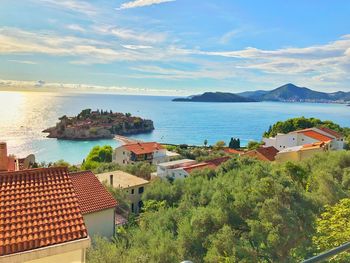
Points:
x=306, y=136
x=299, y=153
x=173, y=169
x=40, y=218
x=133, y=186
x=131, y=153
x=181, y=169
x=11, y=162
x=263, y=153
x=96, y=203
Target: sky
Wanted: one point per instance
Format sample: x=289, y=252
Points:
x=173, y=47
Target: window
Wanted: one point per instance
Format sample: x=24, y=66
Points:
x=132, y=208
x=141, y=189
x=293, y=139
x=132, y=191
x=140, y=205
x=123, y=153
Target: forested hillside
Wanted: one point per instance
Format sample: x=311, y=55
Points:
x=245, y=211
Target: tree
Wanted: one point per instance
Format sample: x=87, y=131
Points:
x=219, y=145
x=98, y=155
x=332, y=229
x=252, y=145
x=205, y=142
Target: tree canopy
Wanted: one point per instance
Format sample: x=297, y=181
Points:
x=244, y=211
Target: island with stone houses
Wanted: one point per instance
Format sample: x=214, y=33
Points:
x=99, y=124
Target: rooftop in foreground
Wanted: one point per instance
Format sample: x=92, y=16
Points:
x=39, y=208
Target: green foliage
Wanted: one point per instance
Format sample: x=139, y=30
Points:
x=219, y=145
x=252, y=145
x=140, y=169
x=234, y=143
x=302, y=123
x=244, y=211
x=332, y=229
x=98, y=154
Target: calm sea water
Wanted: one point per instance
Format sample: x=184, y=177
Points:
x=23, y=115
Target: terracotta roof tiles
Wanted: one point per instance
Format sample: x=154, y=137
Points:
x=38, y=208
x=317, y=136
x=143, y=147
x=92, y=195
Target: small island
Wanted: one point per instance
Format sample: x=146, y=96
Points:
x=215, y=97
x=94, y=125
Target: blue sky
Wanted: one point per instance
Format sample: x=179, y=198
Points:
x=174, y=46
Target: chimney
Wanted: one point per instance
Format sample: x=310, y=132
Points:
x=3, y=156
x=111, y=179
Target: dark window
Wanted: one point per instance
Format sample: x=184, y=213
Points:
x=132, y=191
x=141, y=189
x=132, y=208
x=140, y=205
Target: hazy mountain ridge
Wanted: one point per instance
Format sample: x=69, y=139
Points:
x=293, y=93
x=215, y=97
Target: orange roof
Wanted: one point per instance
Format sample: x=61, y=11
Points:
x=143, y=147
x=38, y=208
x=189, y=169
x=315, y=145
x=92, y=195
x=331, y=132
x=317, y=136
x=207, y=164
x=232, y=151
x=264, y=153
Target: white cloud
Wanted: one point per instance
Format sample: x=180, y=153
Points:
x=128, y=34
x=23, y=61
x=73, y=5
x=141, y=3
x=75, y=27
x=135, y=47
x=226, y=38
x=24, y=85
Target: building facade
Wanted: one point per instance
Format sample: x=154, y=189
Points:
x=306, y=136
x=150, y=152
x=132, y=185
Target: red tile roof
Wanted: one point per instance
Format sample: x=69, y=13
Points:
x=264, y=153
x=331, y=132
x=317, y=136
x=38, y=208
x=92, y=195
x=143, y=147
x=212, y=164
x=219, y=160
x=189, y=169
x=232, y=151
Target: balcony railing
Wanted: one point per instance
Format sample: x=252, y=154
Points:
x=328, y=254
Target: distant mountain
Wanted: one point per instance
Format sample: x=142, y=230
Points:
x=216, y=97
x=293, y=93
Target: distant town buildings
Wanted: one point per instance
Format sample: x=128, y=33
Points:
x=97, y=205
x=133, y=186
x=306, y=136
x=298, y=145
x=11, y=162
x=40, y=218
x=263, y=153
x=151, y=152
x=181, y=169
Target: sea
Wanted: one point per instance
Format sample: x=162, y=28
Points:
x=23, y=116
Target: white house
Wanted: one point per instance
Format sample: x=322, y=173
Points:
x=131, y=153
x=173, y=169
x=306, y=136
x=132, y=185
